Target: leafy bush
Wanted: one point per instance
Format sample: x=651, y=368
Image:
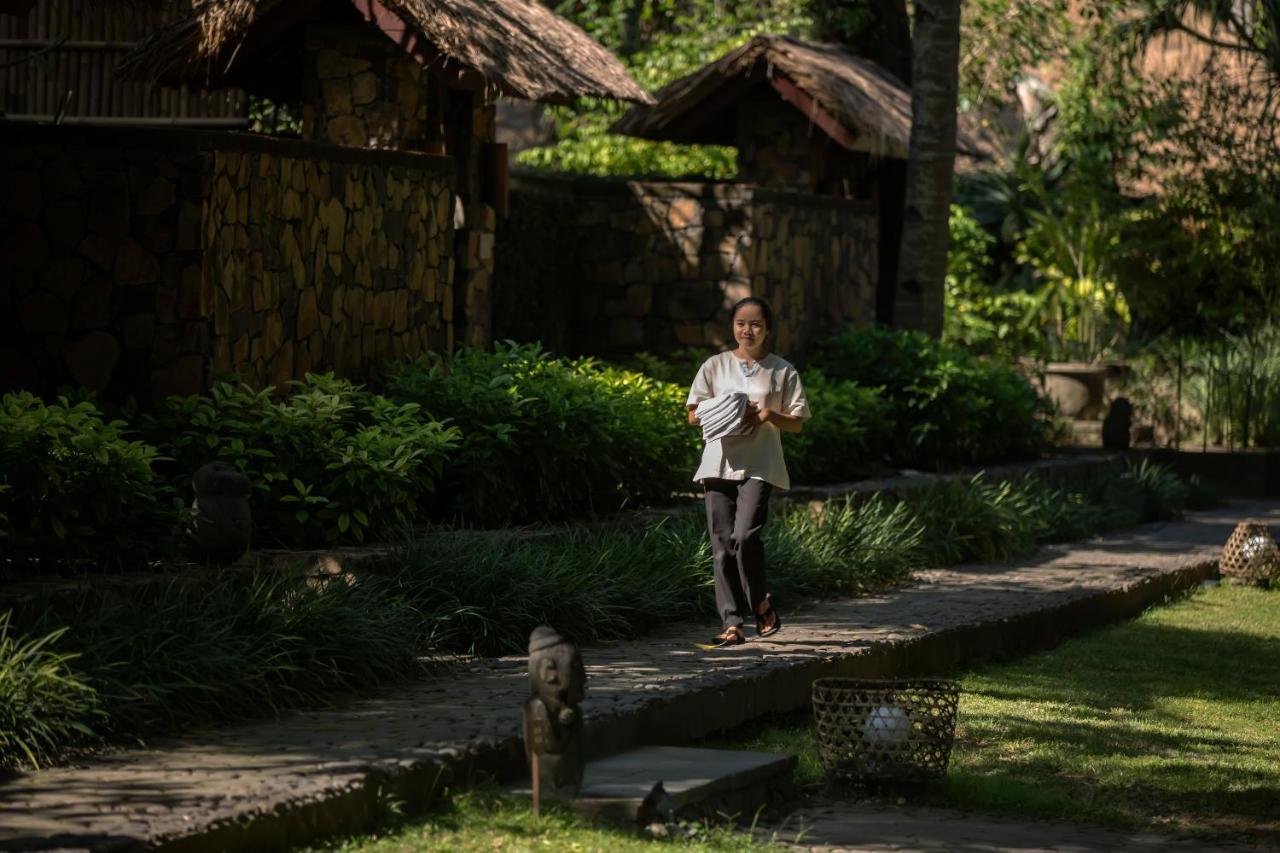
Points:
x=74, y=486
x=849, y=434
x=948, y=406
x=44, y=707
x=980, y=316
x=545, y=439
x=331, y=461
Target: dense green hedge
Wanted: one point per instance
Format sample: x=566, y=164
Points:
x=947, y=406
x=330, y=461
x=492, y=438
x=547, y=439
x=75, y=486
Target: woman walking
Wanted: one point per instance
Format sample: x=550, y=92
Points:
x=744, y=399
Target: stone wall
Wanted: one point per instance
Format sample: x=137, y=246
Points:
x=141, y=263
x=313, y=264
x=661, y=263
x=364, y=91
x=780, y=149
x=100, y=270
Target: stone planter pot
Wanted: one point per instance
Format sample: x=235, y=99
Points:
x=1077, y=389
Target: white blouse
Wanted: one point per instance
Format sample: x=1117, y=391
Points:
x=758, y=454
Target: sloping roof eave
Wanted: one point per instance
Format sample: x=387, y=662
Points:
x=514, y=47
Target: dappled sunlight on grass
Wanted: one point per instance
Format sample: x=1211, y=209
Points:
x=483, y=821
x=1170, y=721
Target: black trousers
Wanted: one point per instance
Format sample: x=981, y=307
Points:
x=736, y=513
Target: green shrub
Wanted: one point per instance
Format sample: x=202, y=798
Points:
x=44, y=707
x=948, y=407
x=546, y=439
x=850, y=433
x=330, y=462
x=73, y=485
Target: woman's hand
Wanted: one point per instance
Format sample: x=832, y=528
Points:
x=693, y=416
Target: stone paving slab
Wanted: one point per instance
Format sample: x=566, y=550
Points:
x=670, y=782
x=266, y=785
x=832, y=826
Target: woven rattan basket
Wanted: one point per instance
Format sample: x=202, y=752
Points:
x=1251, y=555
x=890, y=731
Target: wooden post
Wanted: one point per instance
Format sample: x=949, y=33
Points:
x=537, y=786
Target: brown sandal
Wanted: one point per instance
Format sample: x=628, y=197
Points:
x=763, y=618
x=731, y=636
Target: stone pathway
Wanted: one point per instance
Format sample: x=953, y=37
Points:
x=273, y=783
x=831, y=826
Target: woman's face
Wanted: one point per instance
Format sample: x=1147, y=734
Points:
x=749, y=328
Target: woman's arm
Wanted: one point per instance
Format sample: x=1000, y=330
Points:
x=693, y=415
x=786, y=423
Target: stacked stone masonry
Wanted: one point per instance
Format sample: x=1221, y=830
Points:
x=662, y=263
x=315, y=265
x=142, y=263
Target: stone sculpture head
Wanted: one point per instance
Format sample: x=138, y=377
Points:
x=222, y=523
x=556, y=673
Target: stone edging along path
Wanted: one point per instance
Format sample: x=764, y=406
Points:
x=272, y=784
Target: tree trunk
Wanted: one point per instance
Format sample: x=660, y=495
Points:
x=925, y=233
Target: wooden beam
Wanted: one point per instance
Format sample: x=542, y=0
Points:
x=411, y=40
x=800, y=99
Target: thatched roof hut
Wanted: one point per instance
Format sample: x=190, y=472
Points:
x=511, y=47
x=853, y=100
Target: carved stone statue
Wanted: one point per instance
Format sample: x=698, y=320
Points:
x=1118, y=425
x=552, y=721
x=221, y=522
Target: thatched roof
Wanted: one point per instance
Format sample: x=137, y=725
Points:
x=854, y=100
x=513, y=47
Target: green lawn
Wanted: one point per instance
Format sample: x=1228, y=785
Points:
x=481, y=821
x=1170, y=722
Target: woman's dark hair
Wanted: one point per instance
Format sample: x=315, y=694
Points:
x=759, y=303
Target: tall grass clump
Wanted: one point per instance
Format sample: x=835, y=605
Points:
x=242, y=645
x=846, y=549
x=45, y=707
x=486, y=592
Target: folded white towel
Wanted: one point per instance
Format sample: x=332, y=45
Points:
x=723, y=416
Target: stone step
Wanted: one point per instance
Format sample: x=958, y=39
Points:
x=666, y=784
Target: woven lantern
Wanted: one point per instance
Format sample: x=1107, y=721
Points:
x=1251, y=555
x=885, y=731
